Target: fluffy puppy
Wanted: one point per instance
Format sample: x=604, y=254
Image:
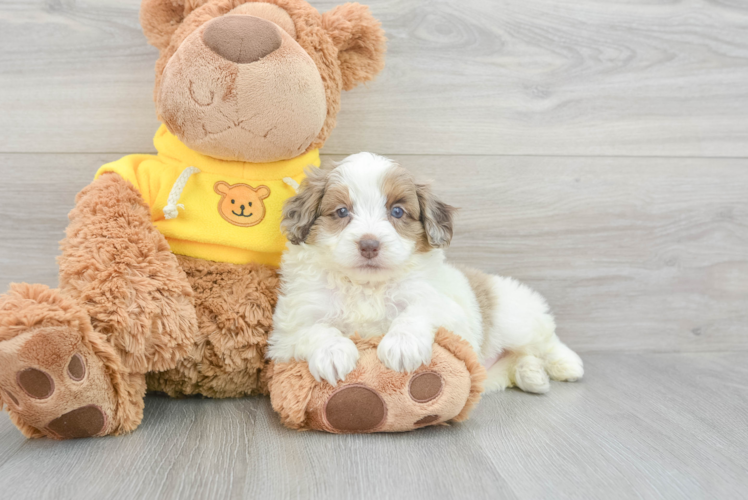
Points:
x=366, y=256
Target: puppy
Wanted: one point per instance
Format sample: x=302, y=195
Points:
x=366, y=256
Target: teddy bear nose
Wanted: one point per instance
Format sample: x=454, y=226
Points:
x=241, y=39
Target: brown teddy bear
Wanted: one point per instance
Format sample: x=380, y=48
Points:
x=168, y=268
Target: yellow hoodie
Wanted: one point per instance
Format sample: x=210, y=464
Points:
x=224, y=211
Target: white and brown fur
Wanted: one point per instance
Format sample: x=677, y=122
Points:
x=331, y=289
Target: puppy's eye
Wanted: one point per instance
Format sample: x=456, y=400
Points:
x=397, y=212
x=342, y=212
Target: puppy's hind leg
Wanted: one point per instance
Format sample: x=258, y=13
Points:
x=516, y=369
x=499, y=376
x=518, y=323
x=562, y=363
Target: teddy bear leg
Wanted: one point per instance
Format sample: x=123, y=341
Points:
x=375, y=399
x=58, y=377
x=124, y=308
x=234, y=305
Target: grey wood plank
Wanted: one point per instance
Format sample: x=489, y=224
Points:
x=631, y=253
x=639, y=425
x=481, y=77
x=10, y=439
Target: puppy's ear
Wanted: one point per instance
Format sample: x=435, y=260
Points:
x=300, y=211
x=436, y=217
x=161, y=18
x=360, y=40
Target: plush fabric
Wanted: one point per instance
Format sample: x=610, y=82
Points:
x=119, y=268
x=374, y=399
x=182, y=298
x=242, y=39
x=201, y=228
x=42, y=332
x=264, y=111
x=234, y=305
x=352, y=52
x=267, y=11
x=359, y=40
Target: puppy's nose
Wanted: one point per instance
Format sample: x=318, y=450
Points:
x=241, y=39
x=368, y=245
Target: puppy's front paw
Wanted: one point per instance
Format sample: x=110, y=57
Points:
x=404, y=351
x=334, y=360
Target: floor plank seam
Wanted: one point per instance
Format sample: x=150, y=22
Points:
x=420, y=155
x=646, y=351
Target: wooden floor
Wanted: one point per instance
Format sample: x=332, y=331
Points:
x=641, y=425
x=598, y=152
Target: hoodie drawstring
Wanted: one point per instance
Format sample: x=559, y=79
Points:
x=294, y=185
x=170, y=210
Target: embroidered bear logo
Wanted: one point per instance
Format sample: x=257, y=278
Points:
x=241, y=204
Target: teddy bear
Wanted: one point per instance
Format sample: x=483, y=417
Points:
x=168, y=270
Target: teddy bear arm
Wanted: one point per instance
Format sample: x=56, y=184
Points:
x=118, y=266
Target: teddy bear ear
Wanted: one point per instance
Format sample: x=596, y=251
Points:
x=360, y=40
x=161, y=18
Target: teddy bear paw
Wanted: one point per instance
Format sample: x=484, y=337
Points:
x=360, y=408
x=374, y=398
x=55, y=385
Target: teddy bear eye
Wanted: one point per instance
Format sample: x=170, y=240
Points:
x=250, y=203
x=232, y=202
x=342, y=212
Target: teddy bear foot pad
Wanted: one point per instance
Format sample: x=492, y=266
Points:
x=53, y=383
x=358, y=408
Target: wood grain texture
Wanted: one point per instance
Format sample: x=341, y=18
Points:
x=638, y=426
x=631, y=253
x=537, y=77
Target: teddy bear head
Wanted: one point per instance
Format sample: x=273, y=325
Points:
x=257, y=81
